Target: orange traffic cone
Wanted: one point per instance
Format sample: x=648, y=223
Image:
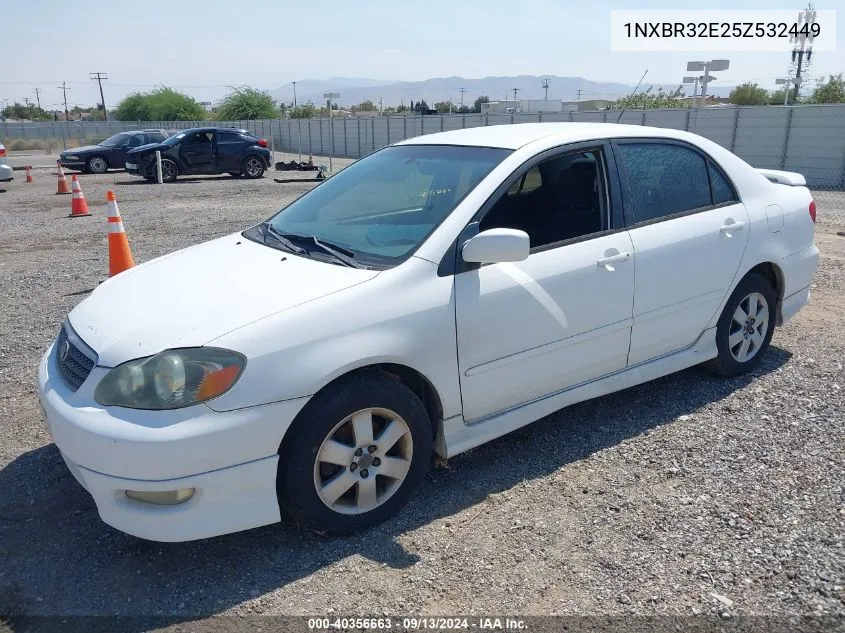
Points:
x=29, y=173
x=120, y=257
x=63, y=186
x=78, y=206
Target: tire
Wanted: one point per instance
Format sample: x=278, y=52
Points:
x=742, y=338
x=97, y=165
x=253, y=167
x=169, y=171
x=235, y=174
x=325, y=428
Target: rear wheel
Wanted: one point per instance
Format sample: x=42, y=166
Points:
x=97, y=165
x=253, y=167
x=355, y=454
x=745, y=328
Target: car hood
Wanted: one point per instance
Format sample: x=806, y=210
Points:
x=83, y=149
x=149, y=147
x=192, y=296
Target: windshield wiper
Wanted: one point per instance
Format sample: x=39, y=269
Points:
x=341, y=254
x=269, y=229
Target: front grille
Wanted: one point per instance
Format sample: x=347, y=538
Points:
x=74, y=365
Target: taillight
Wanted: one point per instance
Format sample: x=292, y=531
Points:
x=262, y=143
x=813, y=210
x=2, y=152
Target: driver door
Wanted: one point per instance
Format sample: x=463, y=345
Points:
x=562, y=316
x=197, y=152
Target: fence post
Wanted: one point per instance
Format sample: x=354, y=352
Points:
x=441, y=122
x=486, y=119
x=686, y=125
x=463, y=121
x=345, y=150
x=786, y=137
x=310, y=142
x=404, y=127
x=320, y=121
x=642, y=122
x=733, y=133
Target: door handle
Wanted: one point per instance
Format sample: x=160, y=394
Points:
x=730, y=228
x=613, y=259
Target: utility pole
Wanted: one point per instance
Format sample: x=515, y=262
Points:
x=546, y=88
x=463, y=90
x=515, y=92
x=37, y=92
x=802, y=47
x=99, y=77
x=294, y=93
x=64, y=96
x=579, y=91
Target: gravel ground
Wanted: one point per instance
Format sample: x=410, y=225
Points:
x=688, y=495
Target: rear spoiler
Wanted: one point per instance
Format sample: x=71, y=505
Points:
x=784, y=177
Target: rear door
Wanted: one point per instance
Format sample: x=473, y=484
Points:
x=689, y=231
x=197, y=152
x=229, y=149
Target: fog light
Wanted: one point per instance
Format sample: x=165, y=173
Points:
x=162, y=497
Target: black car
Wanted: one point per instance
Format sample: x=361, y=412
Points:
x=202, y=151
x=111, y=153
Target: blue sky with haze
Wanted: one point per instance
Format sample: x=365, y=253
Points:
x=201, y=47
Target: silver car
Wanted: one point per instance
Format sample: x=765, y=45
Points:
x=6, y=173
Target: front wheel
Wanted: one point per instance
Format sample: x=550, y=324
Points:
x=745, y=329
x=253, y=167
x=169, y=172
x=354, y=455
x=97, y=165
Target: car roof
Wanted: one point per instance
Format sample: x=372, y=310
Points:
x=517, y=135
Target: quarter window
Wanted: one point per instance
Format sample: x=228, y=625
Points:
x=227, y=137
x=722, y=190
x=664, y=179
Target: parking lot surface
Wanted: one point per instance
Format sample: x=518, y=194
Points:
x=691, y=494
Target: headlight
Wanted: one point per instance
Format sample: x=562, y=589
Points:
x=71, y=157
x=173, y=379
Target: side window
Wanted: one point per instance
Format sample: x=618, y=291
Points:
x=556, y=200
x=136, y=141
x=722, y=189
x=664, y=179
x=227, y=137
x=198, y=138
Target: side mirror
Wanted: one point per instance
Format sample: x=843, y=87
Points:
x=497, y=245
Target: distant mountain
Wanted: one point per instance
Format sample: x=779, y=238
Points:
x=392, y=93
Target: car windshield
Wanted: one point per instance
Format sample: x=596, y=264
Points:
x=172, y=140
x=115, y=140
x=382, y=207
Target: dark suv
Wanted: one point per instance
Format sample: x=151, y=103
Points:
x=202, y=151
x=111, y=153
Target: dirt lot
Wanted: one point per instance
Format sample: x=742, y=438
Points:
x=689, y=495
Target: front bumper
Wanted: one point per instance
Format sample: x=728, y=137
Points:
x=229, y=458
x=72, y=164
x=7, y=174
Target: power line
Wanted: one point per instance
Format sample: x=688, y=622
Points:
x=99, y=77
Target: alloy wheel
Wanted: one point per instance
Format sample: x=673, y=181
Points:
x=363, y=461
x=748, y=327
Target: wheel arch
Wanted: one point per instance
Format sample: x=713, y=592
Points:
x=774, y=274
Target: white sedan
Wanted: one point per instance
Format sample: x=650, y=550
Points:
x=433, y=296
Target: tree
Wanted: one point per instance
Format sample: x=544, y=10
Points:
x=303, y=111
x=777, y=97
x=464, y=109
x=650, y=100
x=30, y=113
x=365, y=106
x=749, y=93
x=421, y=107
x=476, y=107
x=245, y=103
x=830, y=91
x=444, y=107
x=402, y=108
x=161, y=104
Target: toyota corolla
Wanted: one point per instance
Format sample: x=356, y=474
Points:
x=432, y=296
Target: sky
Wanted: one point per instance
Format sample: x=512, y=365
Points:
x=204, y=47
